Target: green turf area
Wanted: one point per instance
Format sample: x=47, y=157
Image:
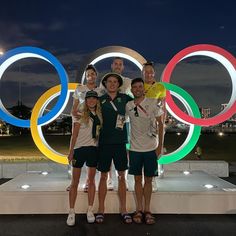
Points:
x=23, y=147
x=213, y=146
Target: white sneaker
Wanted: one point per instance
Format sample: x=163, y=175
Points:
x=85, y=187
x=71, y=219
x=90, y=217
x=154, y=185
x=161, y=175
x=110, y=185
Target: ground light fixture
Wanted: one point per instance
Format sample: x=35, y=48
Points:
x=25, y=186
x=186, y=172
x=209, y=186
x=44, y=173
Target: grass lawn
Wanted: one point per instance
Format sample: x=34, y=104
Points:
x=22, y=148
x=213, y=146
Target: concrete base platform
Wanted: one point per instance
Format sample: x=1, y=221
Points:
x=13, y=169
x=177, y=193
x=217, y=168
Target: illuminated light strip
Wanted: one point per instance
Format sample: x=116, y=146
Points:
x=194, y=130
x=36, y=130
x=25, y=52
x=114, y=54
x=222, y=56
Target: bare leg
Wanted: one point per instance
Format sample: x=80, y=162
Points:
x=91, y=185
x=74, y=185
x=147, y=193
x=102, y=191
x=85, y=185
x=122, y=191
x=138, y=192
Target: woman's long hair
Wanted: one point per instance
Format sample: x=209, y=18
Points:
x=85, y=115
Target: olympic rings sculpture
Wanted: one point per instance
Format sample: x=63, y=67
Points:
x=193, y=118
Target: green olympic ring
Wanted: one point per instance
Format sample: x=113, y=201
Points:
x=194, y=130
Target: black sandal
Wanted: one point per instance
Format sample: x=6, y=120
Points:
x=126, y=218
x=149, y=218
x=99, y=218
x=138, y=217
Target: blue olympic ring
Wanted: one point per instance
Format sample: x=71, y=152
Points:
x=25, y=52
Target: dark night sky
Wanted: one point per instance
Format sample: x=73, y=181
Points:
x=157, y=29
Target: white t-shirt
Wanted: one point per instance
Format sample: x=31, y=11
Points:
x=125, y=88
x=85, y=137
x=143, y=125
x=81, y=91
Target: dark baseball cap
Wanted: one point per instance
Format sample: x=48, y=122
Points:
x=91, y=93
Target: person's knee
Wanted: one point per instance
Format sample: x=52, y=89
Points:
x=91, y=181
x=138, y=179
x=121, y=176
x=148, y=180
x=74, y=185
x=103, y=177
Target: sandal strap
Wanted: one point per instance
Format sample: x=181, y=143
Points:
x=126, y=216
x=100, y=216
x=138, y=212
x=138, y=217
x=149, y=218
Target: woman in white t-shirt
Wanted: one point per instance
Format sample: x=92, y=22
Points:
x=91, y=75
x=83, y=149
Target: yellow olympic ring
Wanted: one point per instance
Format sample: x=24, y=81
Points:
x=36, y=130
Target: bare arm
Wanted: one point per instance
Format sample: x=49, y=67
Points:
x=74, y=110
x=160, y=135
x=75, y=132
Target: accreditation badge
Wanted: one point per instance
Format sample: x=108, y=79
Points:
x=120, y=121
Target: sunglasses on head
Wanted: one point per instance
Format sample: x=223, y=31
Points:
x=136, y=111
x=148, y=63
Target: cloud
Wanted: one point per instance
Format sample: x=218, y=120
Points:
x=56, y=26
x=196, y=74
x=71, y=58
x=18, y=34
x=33, y=26
x=208, y=83
x=14, y=36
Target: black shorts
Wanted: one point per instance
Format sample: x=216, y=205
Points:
x=115, y=152
x=143, y=160
x=85, y=154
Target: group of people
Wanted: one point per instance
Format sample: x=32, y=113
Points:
x=99, y=137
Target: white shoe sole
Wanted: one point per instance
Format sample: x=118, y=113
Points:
x=90, y=219
x=70, y=223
